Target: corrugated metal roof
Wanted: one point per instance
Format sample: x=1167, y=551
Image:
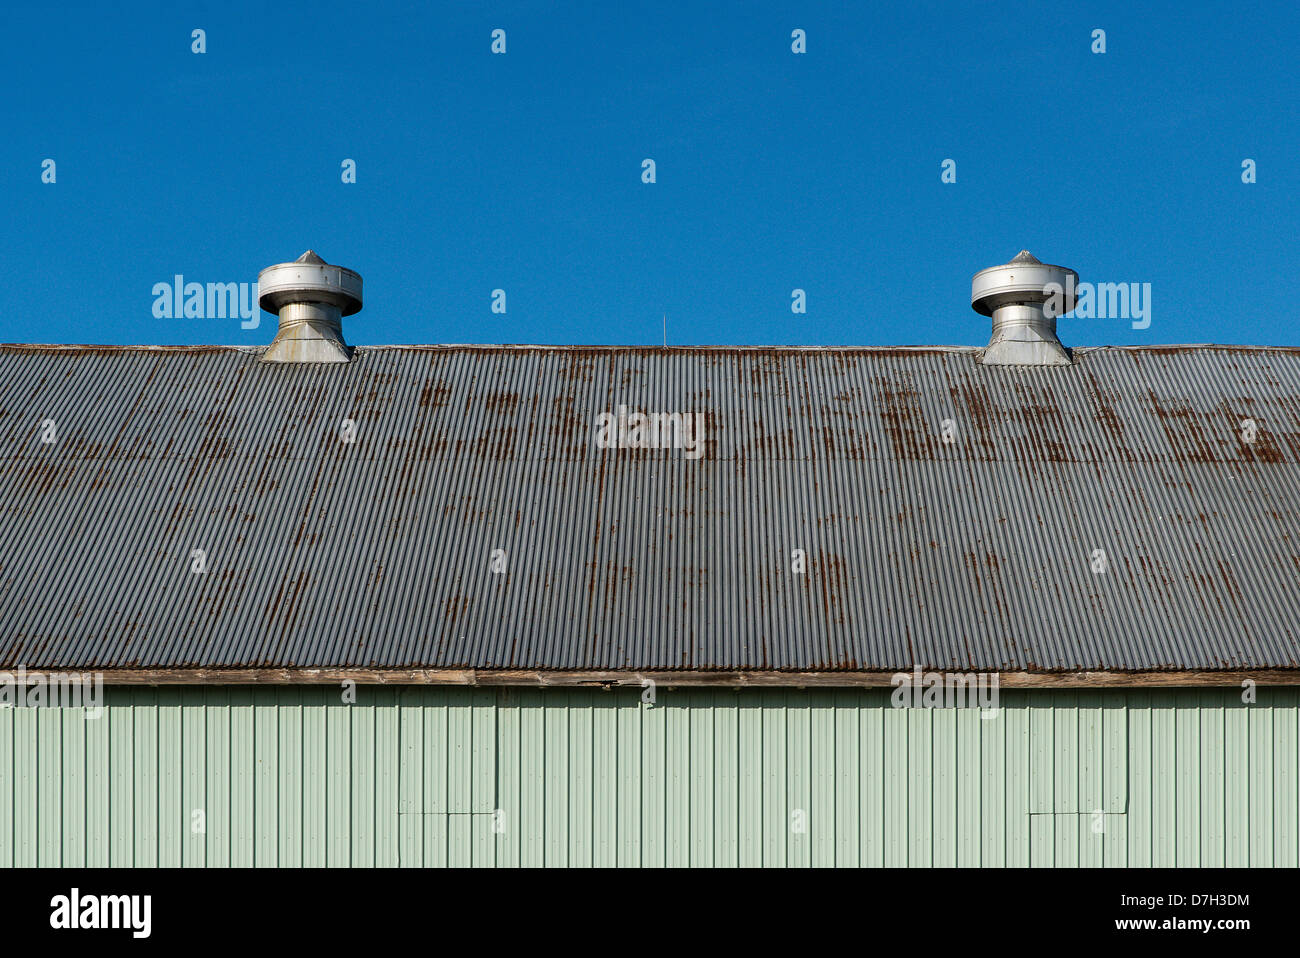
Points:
x=973, y=555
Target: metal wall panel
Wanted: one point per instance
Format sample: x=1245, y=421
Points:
x=431, y=776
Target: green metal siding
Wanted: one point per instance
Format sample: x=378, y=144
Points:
x=415, y=775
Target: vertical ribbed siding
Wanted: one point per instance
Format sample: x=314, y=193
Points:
x=422, y=776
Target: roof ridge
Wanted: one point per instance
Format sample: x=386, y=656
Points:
x=559, y=347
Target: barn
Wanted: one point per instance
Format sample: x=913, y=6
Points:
x=332, y=605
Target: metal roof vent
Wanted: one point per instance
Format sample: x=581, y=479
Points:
x=1024, y=323
x=311, y=298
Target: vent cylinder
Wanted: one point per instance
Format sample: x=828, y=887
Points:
x=1024, y=304
x=310, y=296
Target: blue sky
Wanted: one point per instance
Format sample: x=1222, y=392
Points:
x=775, y=171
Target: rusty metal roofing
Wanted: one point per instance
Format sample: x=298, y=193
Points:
x=974, y=555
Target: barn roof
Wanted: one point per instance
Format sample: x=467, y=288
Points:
x=975, y=554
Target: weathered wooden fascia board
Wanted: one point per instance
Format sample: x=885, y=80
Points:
x=525, y=677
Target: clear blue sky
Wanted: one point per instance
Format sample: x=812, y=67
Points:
x=774, y=170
